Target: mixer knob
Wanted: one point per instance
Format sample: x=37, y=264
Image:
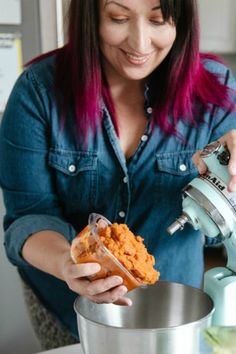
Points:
x=224, y=157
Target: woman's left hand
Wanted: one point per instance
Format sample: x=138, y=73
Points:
x=230, y=140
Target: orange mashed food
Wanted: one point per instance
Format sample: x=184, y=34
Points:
x=130, y=252
x=127, y=248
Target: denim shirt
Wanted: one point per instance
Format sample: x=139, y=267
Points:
x=52, y=182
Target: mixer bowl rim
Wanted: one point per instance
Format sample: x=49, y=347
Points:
x=164, y=329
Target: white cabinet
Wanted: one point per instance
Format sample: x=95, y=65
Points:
x=218, y=25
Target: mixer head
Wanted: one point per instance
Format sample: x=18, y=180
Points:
x=207, y=203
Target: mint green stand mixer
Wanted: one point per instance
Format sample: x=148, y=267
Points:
x=209, y=207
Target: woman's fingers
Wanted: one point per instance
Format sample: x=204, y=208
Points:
x=199, y=163
x=232, y=184
x=123, y=301
x=114, y=295
x=230, y=140
x=107, y=290
x=99, y=286
x=72, y=273
x=83, y=270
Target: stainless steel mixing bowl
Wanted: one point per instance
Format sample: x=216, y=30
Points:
x=166, y=318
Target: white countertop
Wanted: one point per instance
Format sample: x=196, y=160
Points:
x=69, y=349
x=77, y=349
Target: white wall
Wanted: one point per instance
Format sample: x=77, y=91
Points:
x=48, y=24
x=218, y=25
x=53, y=19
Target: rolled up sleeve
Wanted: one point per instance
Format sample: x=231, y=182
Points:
x=28, y=184
x=18, y=232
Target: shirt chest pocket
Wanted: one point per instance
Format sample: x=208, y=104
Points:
x=75, y=175
x=173, y=171
x=176, y=163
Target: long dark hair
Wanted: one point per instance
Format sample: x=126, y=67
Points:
x=181, y=78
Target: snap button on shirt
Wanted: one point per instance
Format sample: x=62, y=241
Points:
x=122, y=214
x=149, y=110
x=125, y=179
x=144, y=138
x=182, y=167
x=72, y=168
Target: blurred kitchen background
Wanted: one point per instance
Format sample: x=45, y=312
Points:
x=37, y=26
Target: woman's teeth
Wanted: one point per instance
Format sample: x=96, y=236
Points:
x=134, y=59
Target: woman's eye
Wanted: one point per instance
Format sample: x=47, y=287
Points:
x=119, y=19
x=159, y=22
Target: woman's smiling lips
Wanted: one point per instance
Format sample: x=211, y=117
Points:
x=136, y=59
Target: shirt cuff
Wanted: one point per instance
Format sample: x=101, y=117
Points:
x=21, y=229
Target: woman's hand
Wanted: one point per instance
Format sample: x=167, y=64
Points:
x=49, y=245
x=108, y=290
x=230, y=140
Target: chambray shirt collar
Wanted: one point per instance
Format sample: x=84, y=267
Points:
x=112, y=136
x=148, y=109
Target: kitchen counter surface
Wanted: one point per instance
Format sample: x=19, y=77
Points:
x=70, y=349
x=77, y=349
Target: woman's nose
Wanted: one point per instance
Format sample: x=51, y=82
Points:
x=139, y=39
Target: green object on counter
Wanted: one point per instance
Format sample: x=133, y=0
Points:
x=221, y=339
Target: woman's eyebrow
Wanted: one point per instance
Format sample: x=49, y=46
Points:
x=125, y=7
x=116, y=3
x=156, y=8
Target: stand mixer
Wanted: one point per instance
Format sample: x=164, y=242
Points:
x=209, y=207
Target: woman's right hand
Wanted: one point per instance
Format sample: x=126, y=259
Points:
x=107, y=290
x=49, y=245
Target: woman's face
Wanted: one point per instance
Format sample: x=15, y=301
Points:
x=134, y=39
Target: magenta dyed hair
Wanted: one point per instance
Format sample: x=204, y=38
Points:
x=80, y=82
x=184, y=79
x=78, y=72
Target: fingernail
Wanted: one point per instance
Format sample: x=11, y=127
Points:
x=232, y=169
x=115, y=281
x=201, y=169
x=232, y=187
x=95, y=267
x=122, y=290
x=118, y=279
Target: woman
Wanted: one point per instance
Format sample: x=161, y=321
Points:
x=109, y=123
